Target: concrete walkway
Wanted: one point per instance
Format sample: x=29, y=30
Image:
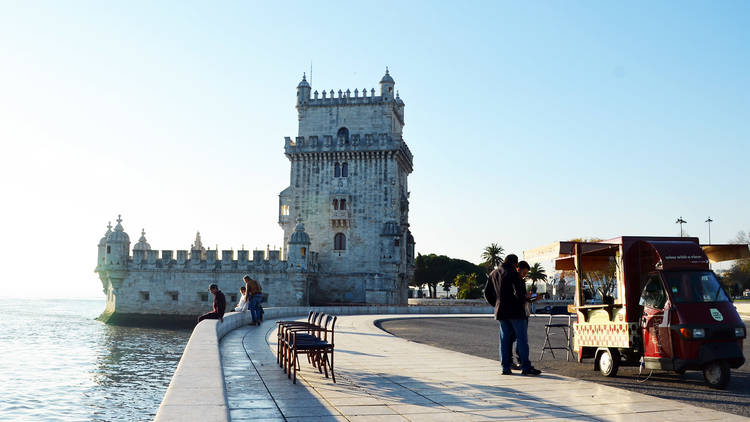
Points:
x=385, y=378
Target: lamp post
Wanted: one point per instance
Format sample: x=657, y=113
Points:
x=680, y=221
x=709, y=221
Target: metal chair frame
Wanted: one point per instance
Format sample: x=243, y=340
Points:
x=566, y=330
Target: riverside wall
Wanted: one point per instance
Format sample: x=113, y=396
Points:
x=197, y=393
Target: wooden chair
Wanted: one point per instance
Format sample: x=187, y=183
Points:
x=306, y=332
x=312, y=318
x=319, y=347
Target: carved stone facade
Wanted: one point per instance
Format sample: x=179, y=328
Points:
x=349, y=170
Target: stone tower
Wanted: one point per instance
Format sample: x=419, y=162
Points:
x=348, y=184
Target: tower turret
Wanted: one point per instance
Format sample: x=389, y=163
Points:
x=117, y=247
x=102, y=246
x=386, y=86
x=142, y=244
x=303, y=91
x=299, y=245
x=197, y=251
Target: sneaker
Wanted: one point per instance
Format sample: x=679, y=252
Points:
x=531, y=371
x=515, y=366
x=507, y=372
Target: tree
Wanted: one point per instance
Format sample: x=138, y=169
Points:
x=419, y=269
x=432, y=269
x=493, y=255
x=586, y=239
x=741, y=237
x=737, y=278
x=447, y=287
x=469, y=286
x=536, y=273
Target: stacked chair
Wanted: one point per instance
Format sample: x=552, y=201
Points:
x=313, y=338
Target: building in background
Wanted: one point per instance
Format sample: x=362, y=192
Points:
x=345, y=217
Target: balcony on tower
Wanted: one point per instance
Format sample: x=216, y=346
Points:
x=341, y=212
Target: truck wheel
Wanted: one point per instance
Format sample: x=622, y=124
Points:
x=609, y=362
x=716, y=374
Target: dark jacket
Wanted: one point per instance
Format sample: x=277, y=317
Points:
x=220, y=303
x=506, y=292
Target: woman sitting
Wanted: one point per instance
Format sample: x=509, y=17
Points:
x=243, y=304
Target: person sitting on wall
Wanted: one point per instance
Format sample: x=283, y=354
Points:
x=243, y=303
x=255, y=293
x=220, y=305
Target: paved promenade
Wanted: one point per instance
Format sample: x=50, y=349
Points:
x=385, y=378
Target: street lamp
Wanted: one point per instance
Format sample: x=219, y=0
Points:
x=709, y=221
x=680, y=221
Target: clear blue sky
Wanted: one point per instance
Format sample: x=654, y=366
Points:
x=530, y=122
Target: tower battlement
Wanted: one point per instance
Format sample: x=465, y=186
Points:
x=348, y=97
x=194, y=260
x=353, y=143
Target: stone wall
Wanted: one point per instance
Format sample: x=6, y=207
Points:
x=186, y=292
x=358, y=117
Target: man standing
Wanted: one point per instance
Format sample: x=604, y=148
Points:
x=220, y=305
x=507, y=293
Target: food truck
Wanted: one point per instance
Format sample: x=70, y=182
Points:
x=654, y=302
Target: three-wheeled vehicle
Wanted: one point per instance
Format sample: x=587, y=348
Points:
x=653, y=301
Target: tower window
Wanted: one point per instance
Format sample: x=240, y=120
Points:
x=303, y=252
x=342, y=204
x=345, y=170
x=337, y=170
x=335, y=204
x=203, y=296
x=396, y=242
x=343, y=133
x=339, y=242
x=108, y=249
x=145, y=296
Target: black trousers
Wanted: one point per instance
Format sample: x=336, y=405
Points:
x=210, y=315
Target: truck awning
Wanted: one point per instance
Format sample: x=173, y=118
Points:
x=672, y=253
x=595, y=257
x=719, y=253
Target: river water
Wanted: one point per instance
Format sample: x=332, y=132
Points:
x=59, y=364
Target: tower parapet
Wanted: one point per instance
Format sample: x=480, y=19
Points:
x=368, y=142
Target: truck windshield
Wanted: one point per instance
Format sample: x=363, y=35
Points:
x=695, y=286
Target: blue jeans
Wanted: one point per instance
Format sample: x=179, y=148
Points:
x=511, y=329
x=255, y=306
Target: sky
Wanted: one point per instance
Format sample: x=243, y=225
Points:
x=530, y=122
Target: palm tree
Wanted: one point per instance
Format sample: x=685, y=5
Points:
x=493, y=255
x=535, y=274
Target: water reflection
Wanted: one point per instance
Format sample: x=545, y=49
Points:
x=138, y=362
x=60, y=364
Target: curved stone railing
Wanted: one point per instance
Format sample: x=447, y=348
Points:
x=197, y=393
